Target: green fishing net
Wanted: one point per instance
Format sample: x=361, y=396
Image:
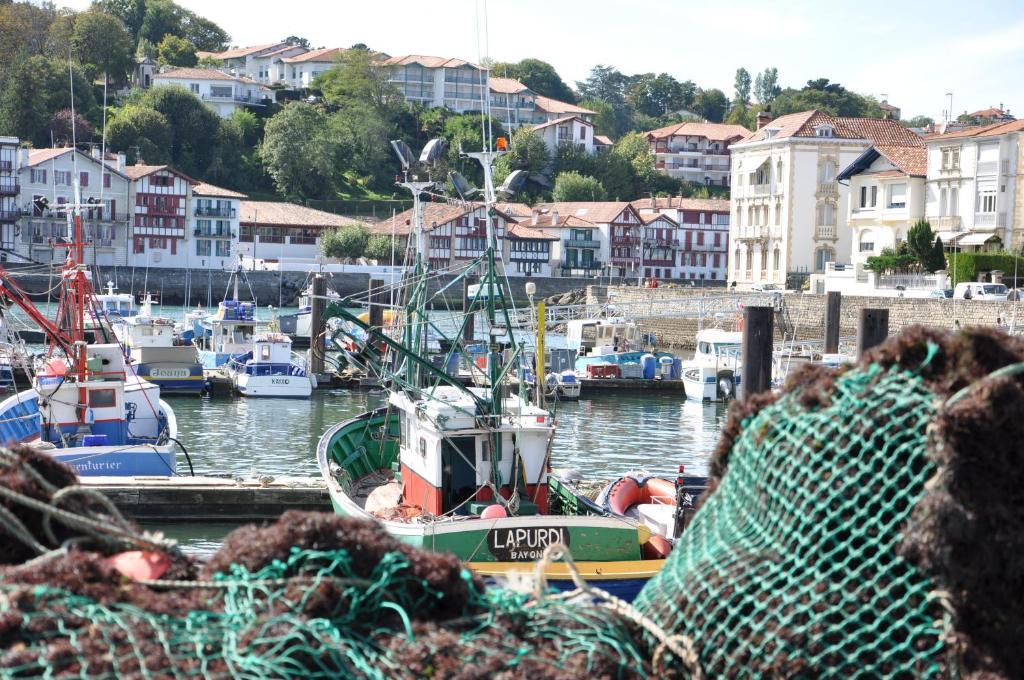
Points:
x=791, y=567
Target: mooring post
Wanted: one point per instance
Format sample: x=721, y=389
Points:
x=872, y=330
x=376, y=298
x=316, y=325
x=832, y=305
x=468, y=331
x=758, y=343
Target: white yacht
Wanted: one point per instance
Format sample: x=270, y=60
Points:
x=271, y=370
x=713, y=374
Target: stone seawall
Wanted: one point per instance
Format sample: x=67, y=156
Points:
x=807, y=312
x=208, y=287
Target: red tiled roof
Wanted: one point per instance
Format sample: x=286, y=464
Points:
x=880, y=131
x=992, y=130
x=549, y=105
x=720, y=205
x=204, y=189
x=37, y=156
x=911, y=160
x=506, y=85
x=139, y=171
x=562, y=120
x=428, y=61
x=597, y=212
x=266, y=213
x=434, y=215
x=803, y=124
x=522, y=231
x=714, y=131
x=513, y=209
x=990, y=112
x=197, y=74
x=547, y=220
x=235, y=52
x=326, y=54
x=649, y=216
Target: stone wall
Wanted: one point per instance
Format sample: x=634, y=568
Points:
x=807, y=312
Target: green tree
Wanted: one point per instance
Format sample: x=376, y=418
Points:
x=766, y=85
x=159, y=18
x=297, y=41
x=36, y=87
x=539, y=76
x=606, y=84
x=918, y=122
x=175, y=51
x=380, y=248
x=141, y=133
x=527, y=151
x=937, y=261
x=921, y=244
x=249, y=125
x=358, y=79
x=64, y=127
x=345, y=243
x=361, y=137
x=130, y=12
x=742, y=87
x=656, y=95
x=299, y=152
x=102, y=44
x=711, y=104
x=203, y=33
x=24, y=28
x=194, y=127
x=892, y=260
x=742, y=115
x=572, y=186
x=832, y=98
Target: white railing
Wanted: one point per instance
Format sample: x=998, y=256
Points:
x=946, y=222
x=689, y=306
x=761, y=189
x=984, y=219
x=827, y=188
x=908, y=281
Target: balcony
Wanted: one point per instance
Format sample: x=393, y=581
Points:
x=761, y=189
x=825, y=232
x=9, y=215
x=949, y=222
x=582, y=243
x=213, y=233
x=990, y=219
x=246, y=98
x=593, y=265
x=828, y=188
x=214, y=211
x=9, y=189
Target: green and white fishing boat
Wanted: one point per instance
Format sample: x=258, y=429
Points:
x=465, y=469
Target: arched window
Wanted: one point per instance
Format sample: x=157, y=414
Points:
x=775, y=259
x=867, y=241
x=778, y=175
x=823, y=256
x=764, y=260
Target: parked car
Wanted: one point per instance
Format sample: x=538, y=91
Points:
x=941, y=293
x=981, y=291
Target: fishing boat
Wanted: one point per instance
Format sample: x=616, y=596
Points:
x=608, y=341
x=114, y=304
x=271, y=370
x=157, y=355
x=464, y=469
x=228, y=334
x=86, y=408
x=713, y=374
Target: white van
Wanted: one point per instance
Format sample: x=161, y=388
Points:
x=981, y=291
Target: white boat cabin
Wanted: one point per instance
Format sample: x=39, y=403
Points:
x=446, y=457
x=715, y=345
x=598, y=337
x=114, y=304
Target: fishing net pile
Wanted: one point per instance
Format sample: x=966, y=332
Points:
x=866, y=523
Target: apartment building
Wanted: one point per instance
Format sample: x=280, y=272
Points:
x=439, y=81
x=789, y=211
x=159, y=218
x=695, y=152
x=225, y=93
x=299, y=71
x=702, y=234
x=515, y=105
x=974, y=191
x=10, y=188
x=887, y=196
x=274, y=231
x=214, y=226
x=568, y=130
x=595, y=238
x=260, y=63
x=48, y=178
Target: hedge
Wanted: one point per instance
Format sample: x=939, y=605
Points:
x=969, y=265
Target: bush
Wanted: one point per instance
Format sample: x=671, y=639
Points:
x=345, y=243
x=967, y=266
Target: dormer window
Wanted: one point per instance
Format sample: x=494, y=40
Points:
x=824, y=131
x=770, y=132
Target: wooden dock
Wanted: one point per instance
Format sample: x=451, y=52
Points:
x=210, y=499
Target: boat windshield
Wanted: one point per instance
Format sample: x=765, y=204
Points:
x=721, y=348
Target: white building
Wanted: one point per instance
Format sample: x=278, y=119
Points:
x=299, y=71
x=596, y=238
x=695, y=152
x=887, y=196
x=225, y=93
x=974, y=198
x=568, y=130
x=10, y=162
x=789, y=212
x=214, y=225
x=271, y=231
x=48, y=179
x=513, y=104
x=260, y=63
x=438, y=81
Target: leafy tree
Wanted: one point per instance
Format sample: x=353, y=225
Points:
x=145, y=49
x=379, y=248
x=527, y=151
x=130, y=12
x=249, y=125
x=656, y=95
x=297, y=41
x=62, y=132
x=606, y=84
x=572, y=186
x=299, y=152
x=358, y=78
x=102, y=44
x=362, y=138
x=141, y=133
x=921, y=244
x=159, y=18
x=175, y=51
x=918, y=122
x=832, y=98
x=742, y=87
x=937, y=261
x=742, y=115
x=345, y=243
x=24, y=28
x=606, y=118
x=33, y=89
x=194, y=127
x=537, y=75
x=711, y=104
x=766, y=85
x=203, y=33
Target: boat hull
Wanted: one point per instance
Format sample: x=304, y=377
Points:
x=272, y=386
x=174, y=378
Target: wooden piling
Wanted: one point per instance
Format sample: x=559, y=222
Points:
x=872, y=329
x=377, y=299
x=832, y=307
x=468, y=330
x=317, y=324
x=758, y=343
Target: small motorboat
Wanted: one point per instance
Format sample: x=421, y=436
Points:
x=564, y=386
x=271, y=370
x=713, y=374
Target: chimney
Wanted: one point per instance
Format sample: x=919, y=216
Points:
x=121, y=160
x=554, y=218
x=763, y=118
x=533, y=219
